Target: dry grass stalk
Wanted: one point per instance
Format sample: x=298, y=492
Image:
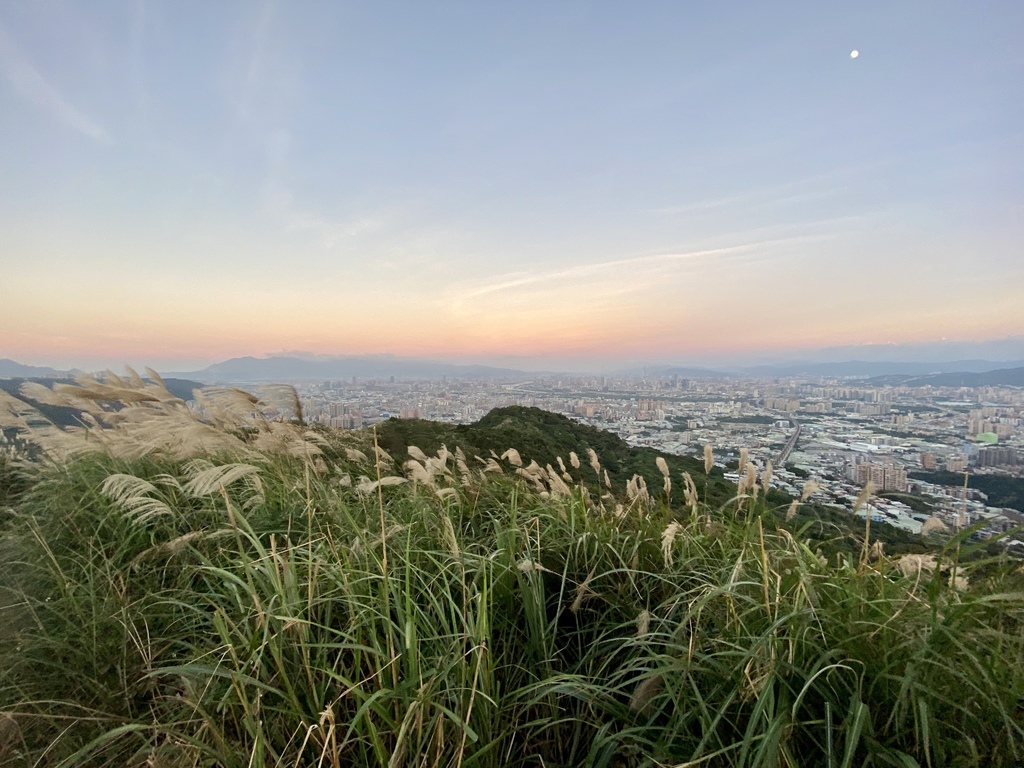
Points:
x=11, y=739
x=751, y=479
x=448, y=533
x=643, y=623
x=526, y=565
x=862, y=499
x=365, y=485
x=574, y=460
x=690, y=492
x=668, y=537
x=915, y=565
x=594, y=463
x=631, y=489
x=709, y=459
x=877, y=551
x=791, y=512
x=644, y=694
x=933, y=525
x=864, y=495
x=583, y=591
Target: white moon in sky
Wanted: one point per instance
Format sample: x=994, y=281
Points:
x=854, y=54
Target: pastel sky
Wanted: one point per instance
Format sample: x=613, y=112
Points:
x=570, y=182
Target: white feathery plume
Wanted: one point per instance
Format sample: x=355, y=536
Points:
x=513, y=457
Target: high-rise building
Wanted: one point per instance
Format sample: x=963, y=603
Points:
x=884, y=477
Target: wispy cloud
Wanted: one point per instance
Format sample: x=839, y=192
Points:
x=640, y=272
x=823, y=186
x=589, y=272
x=30, y=83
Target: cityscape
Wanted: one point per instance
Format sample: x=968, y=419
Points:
x=837, y=434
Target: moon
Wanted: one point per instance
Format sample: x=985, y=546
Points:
x=854, y=54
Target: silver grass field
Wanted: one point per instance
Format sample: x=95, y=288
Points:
x=221, y=585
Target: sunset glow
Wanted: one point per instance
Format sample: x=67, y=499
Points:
x=563, y=186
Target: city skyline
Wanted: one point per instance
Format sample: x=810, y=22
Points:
x=570, y=185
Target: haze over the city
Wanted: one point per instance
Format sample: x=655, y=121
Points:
x=556, y=185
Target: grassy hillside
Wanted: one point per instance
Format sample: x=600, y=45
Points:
x=185, y=590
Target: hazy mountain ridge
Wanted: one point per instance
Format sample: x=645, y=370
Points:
x=1001, y=377
x=292, y=368
x=10, y=369
x=866, y=368
x=253, y=369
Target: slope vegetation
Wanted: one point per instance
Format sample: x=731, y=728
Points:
x=198, y=587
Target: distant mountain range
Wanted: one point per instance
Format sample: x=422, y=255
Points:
x=254, y=369
x=12, y=370
x=866, y=368
x=1002, y=377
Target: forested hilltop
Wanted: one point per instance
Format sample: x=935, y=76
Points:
x=210, y=586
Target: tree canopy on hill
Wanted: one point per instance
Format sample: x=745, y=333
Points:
x=1002, y=490
x=543, y=436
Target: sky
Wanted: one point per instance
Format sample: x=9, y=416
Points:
x=569, y=184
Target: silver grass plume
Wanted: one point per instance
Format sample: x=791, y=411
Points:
x=690, y=492
x=418, y=473
x=513, y=457
x=557, y=485
x=354, y=454
x=417, y=454
x=864, y=495
x=643, y=622
x=644, y=693
x=668, y=537
x=662, y=466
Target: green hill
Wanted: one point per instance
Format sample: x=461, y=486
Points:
x=543, y=436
